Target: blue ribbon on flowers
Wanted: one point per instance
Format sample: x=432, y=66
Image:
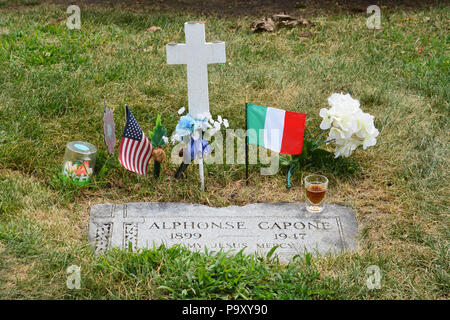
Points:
x=198, y=148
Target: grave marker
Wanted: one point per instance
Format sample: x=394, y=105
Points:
x=256, y=228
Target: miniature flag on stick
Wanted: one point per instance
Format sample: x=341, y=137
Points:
x=275, y=129
x=135, y=149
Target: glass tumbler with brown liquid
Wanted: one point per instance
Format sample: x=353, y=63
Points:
x=316, y=187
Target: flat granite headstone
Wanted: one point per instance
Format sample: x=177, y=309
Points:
x=256, y=228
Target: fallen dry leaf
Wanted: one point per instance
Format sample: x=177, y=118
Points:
x=281, y=17
x=266, y=24
x=291, y=23
x=306, y=22
x=153, y=29
x=278, y=20
x=287, y=20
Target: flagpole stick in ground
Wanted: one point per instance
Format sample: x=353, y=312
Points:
x=202, y=177
x=180, y=170
x=246, y=146
x=125, y=175
x=200, y=164
x=185, y=153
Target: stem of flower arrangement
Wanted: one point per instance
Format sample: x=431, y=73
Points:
x=322, y=143
x=310, y=133
x=320, y=133
x=291, y=171
x=320, y=137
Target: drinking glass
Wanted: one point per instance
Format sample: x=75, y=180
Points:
x=316, y=187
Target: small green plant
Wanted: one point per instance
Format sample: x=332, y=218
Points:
x=159, y=139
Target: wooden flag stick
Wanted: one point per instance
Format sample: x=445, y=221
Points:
x=200, y=162
x=180, y=170
x=202, y=176
x=125, y=171
x=186, y=158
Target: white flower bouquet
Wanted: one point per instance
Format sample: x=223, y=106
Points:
x=349, y=127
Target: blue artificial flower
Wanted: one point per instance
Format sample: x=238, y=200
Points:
x=185, y=126
x=199, y=124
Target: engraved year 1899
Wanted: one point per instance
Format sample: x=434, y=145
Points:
x=185, y=235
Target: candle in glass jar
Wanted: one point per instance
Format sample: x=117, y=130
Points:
x=79, y=161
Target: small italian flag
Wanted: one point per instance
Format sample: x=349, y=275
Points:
x=275, y=129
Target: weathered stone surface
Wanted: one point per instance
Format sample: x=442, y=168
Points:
x=256, y=228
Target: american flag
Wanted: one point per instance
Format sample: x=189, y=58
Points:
x=135, y=149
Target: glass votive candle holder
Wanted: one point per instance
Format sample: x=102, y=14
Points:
x=79, y=162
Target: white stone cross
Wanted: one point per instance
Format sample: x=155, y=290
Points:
x=196, y=54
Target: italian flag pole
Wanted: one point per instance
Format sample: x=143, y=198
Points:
x=275, y=129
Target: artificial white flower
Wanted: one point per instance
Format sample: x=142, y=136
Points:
x=196, y=135
x=367, y=131
x=349, y=126
x=336, y=133
x=165, y=139
x=175, y=138
x=214, y=129
x=198, y=125
x=342, y=113
x=205, y=116
x=339, y=99
x=345, y=147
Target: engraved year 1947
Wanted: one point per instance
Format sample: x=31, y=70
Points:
x=285, y=236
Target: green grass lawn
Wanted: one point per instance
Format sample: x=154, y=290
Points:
x=53, y=82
